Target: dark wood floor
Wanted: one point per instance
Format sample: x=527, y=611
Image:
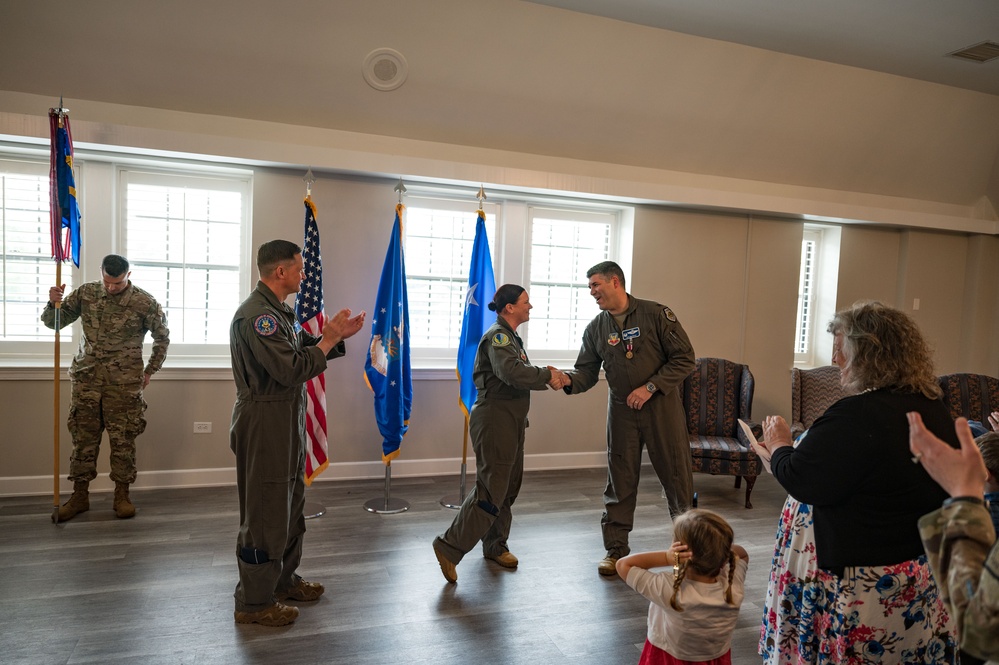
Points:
x=158, y=588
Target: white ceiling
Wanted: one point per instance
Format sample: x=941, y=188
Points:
x=909, y=38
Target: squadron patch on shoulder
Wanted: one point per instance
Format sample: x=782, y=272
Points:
x=265, y=325
x=501, y=339
x=668, y=313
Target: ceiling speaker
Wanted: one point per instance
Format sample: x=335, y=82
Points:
x=385, y=69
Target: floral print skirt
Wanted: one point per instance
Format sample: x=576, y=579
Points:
x=873, y=614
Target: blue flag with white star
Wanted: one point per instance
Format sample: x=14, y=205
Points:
x=387, y=369
x=477, y=318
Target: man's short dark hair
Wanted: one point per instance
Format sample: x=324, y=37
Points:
x=607, y=269
x=114, y=265
x=273, y=253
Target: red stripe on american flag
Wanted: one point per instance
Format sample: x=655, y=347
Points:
x=315, y=413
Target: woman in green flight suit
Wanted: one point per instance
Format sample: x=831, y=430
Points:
x=504, y=379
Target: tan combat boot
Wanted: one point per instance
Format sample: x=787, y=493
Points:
x=78, y=503
x=123, y=507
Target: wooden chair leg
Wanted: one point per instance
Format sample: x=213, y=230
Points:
x=750, y=481
x=738, y=482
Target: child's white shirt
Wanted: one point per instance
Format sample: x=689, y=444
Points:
x=704, y=629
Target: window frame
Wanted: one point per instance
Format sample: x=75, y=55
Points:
x=512, y=247
x=24, y=351
x=825, y=284
x=172, y=174
x=99, y=195
x=447, y=356
x=578, y=214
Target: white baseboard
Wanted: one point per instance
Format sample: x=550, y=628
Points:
x=401, y=468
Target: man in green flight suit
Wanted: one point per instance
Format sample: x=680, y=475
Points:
x=272, y=359
x=646, y=355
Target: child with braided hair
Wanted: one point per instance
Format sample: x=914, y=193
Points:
x=694, y=604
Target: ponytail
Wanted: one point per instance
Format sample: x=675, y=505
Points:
x=731, y=576
x=681, y=572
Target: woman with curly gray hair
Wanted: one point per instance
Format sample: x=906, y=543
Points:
x=850, y=582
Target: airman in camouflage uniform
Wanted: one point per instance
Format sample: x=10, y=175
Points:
x=961, y=547
x=108, y=376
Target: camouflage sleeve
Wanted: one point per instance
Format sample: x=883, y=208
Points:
x=957, y=539
x=68, y=312
x=156, y=324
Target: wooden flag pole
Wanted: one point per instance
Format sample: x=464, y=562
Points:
x=55, y=416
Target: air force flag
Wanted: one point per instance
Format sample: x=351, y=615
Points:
x=387, y=369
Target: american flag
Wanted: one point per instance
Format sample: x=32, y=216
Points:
x=310, y=313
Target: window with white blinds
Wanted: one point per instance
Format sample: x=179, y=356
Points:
x=438, y=237
x=545, y=248
x=28, y=269
x=564, y=245
x=807, y=278
x=183, y=238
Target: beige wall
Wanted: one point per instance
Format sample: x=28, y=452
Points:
x=868, y=265
x=731, y=279
x=980, y=322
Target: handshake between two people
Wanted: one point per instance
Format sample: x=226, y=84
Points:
x=559, y=379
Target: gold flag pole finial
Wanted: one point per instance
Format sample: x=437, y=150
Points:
x=401, y=188
x=481, y=196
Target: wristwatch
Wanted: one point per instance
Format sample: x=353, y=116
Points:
x=651, y=387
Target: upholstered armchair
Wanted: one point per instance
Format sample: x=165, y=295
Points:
x=812, y=392
x=973, y=396
x=715, y=396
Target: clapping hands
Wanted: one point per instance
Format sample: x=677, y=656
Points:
x=342, y=325
x=776, y=433
x=338, y=328
x=559, y=379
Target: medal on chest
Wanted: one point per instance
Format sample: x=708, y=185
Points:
x=629, y=336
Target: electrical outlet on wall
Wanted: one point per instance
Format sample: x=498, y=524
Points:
x=202, y=428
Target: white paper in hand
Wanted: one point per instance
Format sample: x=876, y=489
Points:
x=757, y=446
